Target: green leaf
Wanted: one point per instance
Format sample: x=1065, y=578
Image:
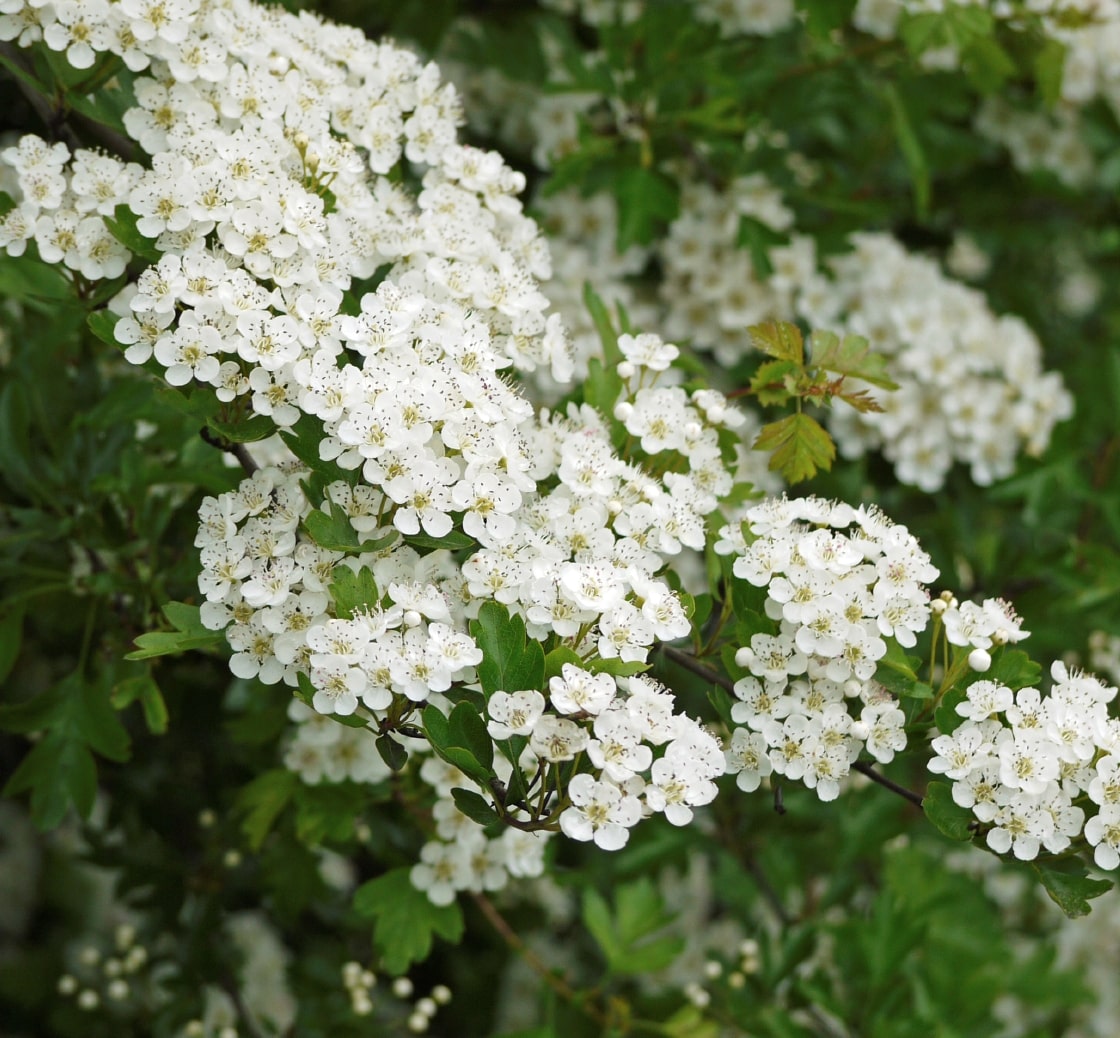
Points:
x=1070, y=887
x=102, y=323
x=555, y=660
x=956, y=26
x=647, y=200
x=450, y=747
x=392, y=752
x=27, y=279
x=779, y=339
x=987, y=65
x=945, y=814
x=775, y=381
x=261, y=802
x=249, y=429
x=189, y=634
x=456, y=540
x=759, y=238
x=475, y=806
x=945, y=716
x=911, y=148
x=333, y=531
x=850, y=356
x=897, y=672
x=603, y=325
x=122, y=226
x=352, y=591
x=11, y=635
x=404, y=919
x=602, y=386
x=800, y=447
x=1049, y=67
x=467, y=729
x=58, y=771
x=617, y=667
x=327, y=812
x=1013, y=668
x=627, y=936
x=509, y=664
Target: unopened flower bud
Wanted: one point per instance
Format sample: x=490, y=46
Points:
x=411, y=618
x=88, y=1000
x=979, y=660
x=418, y=1023
x=852, y=688
x=938, y=606
x=427, y=1006
x=402, y=987
x=717, y=413
x=67, y=984
x=1001, y=637
x=441, y=993
x=626, y=369
x=232, y=858
x=623, y=410
x=118, y=990
x=692, y=430
x=744, y=657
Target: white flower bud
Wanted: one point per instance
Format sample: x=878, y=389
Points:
x=418, y=1023
x=860, y=730
x=716, y=413
x=232, y=858
x=352, y=974
x=626, y=369
x=744, y=657
x=852, y=688
x=411, y=618
x=402, y=987
x=692, y=430
x=441, y=993
x=427, y=1006
x=88, y=1000
x=67, y=984
x=623, y=410
x=938, y=606
x=118, y=990
x=1001, y=637
x=712, y=969
x=979, y=660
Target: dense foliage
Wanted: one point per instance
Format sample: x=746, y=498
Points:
x=624, y=543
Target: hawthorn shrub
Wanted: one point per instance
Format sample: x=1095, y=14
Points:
x=563, y=518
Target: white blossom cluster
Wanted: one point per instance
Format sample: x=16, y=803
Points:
x=1053, y=141
x=839, y=581
x=583, y=235
x=746, y=17
x=461, y=856
x=263, y=130
x=1038, y=772
x=972, y=386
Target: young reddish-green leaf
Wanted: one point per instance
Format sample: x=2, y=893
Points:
x=779, y=339
x=850, y=356
x=800, y=447
x=775, y=381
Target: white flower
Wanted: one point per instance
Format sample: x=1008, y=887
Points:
x=514, y=713
x=601, y=812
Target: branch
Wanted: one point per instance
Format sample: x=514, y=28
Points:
x=513, y=939
x=694, y=666
x=907, y=794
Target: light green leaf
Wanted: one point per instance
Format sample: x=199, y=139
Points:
x=779, y=339
x=800, y=447
x=405, y=921
x=850, y=356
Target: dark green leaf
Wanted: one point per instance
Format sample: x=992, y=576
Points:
x=475, y=806
x=262, y=801
x=949, y=818
x=1070, y=887
x=647, y=201
x=352, y=591
x=392, y=752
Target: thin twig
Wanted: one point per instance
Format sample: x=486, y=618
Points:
x=535, y=962
x=693, y=665
x=907, y=794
